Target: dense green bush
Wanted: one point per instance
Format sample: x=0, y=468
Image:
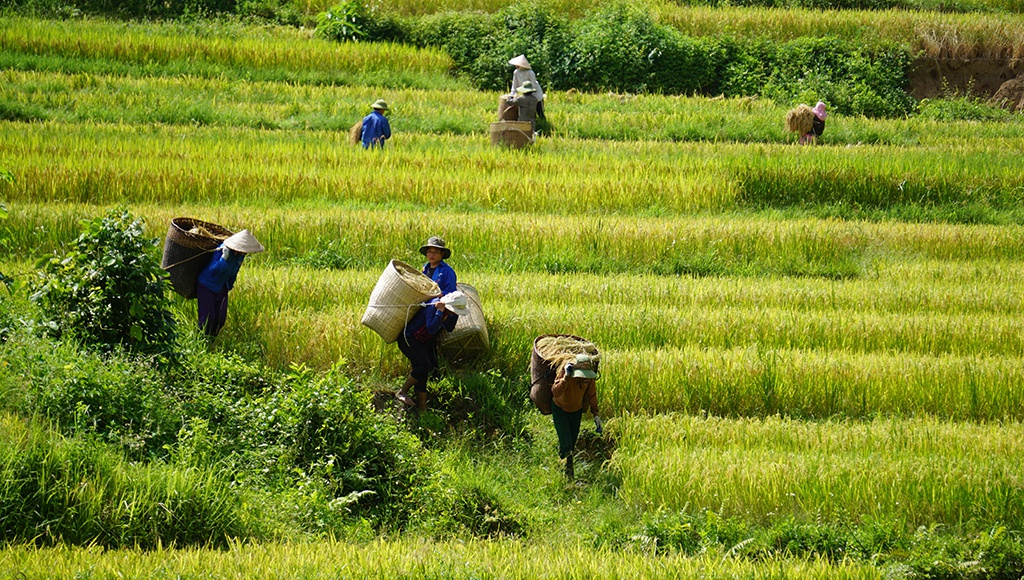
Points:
x=109, y=289
x=119, y=399
x=852, y=80
x=621, y=47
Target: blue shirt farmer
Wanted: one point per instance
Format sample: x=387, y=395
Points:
x=375, y=130
x=220, y=272
x=443, y=275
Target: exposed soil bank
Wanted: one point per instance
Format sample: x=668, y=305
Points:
x=982, y=77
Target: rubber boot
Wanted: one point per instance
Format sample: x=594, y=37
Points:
x=570, y=473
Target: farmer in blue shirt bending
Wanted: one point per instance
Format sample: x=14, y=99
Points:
x=376, y=128
x=218, y=277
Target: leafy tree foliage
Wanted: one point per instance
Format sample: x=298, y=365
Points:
x=109, y=290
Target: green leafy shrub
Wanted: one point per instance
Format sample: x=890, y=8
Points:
x=117, y=399
x=342, y=22
x=463, y=35
x=335, y=435
x=109, y=289
x=622, y=48
x=850, y=79
x=529, y=28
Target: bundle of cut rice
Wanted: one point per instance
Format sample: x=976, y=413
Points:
x=355, y=134
x=550, y=354
x=800, y=120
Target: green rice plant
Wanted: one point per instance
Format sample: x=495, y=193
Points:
x=923, y=472
x=281, y=54
x=407, y=557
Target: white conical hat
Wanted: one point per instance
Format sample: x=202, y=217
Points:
x=456, y=302
x=244, y=242
x=520, y=61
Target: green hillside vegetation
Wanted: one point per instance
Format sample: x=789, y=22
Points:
x=811, y=356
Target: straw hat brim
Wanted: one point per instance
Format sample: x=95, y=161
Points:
x=244, y=242
x=520, y=61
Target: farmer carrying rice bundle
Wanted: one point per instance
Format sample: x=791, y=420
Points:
x=375, y=127
x=419, y=343
x=807, y=122
x=575, y=363
x=218, y=277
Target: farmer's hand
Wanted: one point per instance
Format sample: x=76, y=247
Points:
x=598, y=425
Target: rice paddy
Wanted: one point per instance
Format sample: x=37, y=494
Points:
x=763, y=355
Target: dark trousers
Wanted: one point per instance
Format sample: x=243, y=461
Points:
x=567, y=427
x=423, y=358
x=213, y=309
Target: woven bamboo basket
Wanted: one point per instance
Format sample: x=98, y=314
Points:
x=514, y=134
x=469, y=338
x=545, y=362
x=188, y=241
x=396, y=298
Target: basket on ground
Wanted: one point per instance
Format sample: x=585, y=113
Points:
x=469, y=338
x=188, y=241
x=515, y=134
x=550, y=353
x=396, y=298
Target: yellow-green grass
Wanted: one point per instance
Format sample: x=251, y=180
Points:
x=106, y=164
x=934, y=34
x=110, y=97
x=918, y=472
x=486, y=241
x=410, y=558
x=200, y=45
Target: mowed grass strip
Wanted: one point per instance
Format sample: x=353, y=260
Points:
x=914, y=472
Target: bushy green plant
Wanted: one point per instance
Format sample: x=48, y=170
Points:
x=117, y=399
x=109, y=289
x=335, y=435
x=850, y=79
x=342, y=22
x=961, y=108
x=529, y=28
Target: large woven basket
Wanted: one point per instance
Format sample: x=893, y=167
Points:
x=469, y=338
x=543, y=369
x=396, y=298
x=188, y=241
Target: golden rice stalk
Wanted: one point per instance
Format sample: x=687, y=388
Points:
x=559, y=350
x=355, y=134
x=800, y=120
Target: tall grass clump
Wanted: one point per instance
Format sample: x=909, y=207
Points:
x=922, y=472
x=57, y=490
